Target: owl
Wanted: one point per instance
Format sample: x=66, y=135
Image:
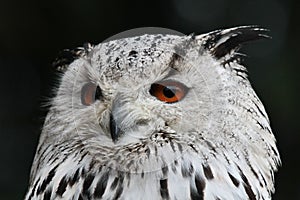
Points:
x=156, y=117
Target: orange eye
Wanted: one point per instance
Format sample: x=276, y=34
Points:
x=168, y=91
x=90, y=93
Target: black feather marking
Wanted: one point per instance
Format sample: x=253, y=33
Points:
x=264, y=180
x=165, y=170
x=234, y=180
x=252, y=170
x=236, y=57
x=207, y=172
x=164, y=191
x=147, y=151
x=213, y=38
x=172, y=145
x=249, y=192
x=259, y=110
x=75, y=178
x=132, y=53
x=101, y=186
x=179, y=147
x=119, y=191
x=241, y=76
x=100, y=169
x=93, y=162
x=47, y=180
x=118, y=182
x=62, y=187
x=193, y=147
x=80, y=197
x=44, y=150
x=86, y=184
x=173, y=167
x=176, y=162
x=211, y=146
x=114, y=183
x=127, y=177
x=247, y=186
x=130, y=163
x=33, y=189
x=47, y=195
x=260, y=125
x=200, y=186
x=155, y=151
x=83, y=172
x=187, y=171
x=241, y=71
x=142, y=174
x=274, y=151
x=195, y=195
x=82, y=157
x=174, y=59
x=236, y=37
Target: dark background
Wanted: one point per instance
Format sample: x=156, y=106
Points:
x=32, y=32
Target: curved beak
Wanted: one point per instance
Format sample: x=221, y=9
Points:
x=115, y=132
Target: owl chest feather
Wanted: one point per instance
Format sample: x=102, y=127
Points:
x=189, y=176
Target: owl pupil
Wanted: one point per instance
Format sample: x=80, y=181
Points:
x=169, y=92
x=98, y=93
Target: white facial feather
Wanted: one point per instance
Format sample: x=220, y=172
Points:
x=214, y=143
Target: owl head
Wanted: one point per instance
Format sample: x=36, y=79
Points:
x=153, y=97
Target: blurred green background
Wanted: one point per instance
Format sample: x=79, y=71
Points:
x=32, y=33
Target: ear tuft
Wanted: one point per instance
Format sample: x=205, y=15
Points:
x=67, y=56
x=226, y=41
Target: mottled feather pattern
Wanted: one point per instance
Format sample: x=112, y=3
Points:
x=216, y=143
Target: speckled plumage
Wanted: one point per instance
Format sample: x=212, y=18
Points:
x=215, y=143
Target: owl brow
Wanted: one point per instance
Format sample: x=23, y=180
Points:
x=180, y=52
x=172, y=71
x=175, y=60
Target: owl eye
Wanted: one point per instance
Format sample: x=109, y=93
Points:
x=90, y=93
x=168, y=91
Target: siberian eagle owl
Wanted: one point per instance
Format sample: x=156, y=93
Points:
x=157, y=116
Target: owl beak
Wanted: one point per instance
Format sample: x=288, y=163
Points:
x=115, y=132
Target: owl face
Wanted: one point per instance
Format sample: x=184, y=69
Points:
x=154, y=91
x=130, y=90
